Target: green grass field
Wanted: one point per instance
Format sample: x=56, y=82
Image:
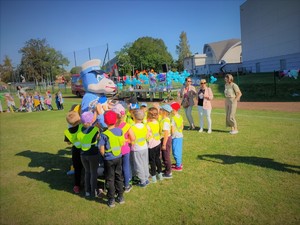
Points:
x=250, y=178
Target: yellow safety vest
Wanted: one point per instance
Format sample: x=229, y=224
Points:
x=154, y=126
x=178, y=122
x=73, y=136
x=161, y=124
x=140, y=135
x=129, y=119
x=145, y=118
x=116, y=142
x=86, y=139
x=125, y=128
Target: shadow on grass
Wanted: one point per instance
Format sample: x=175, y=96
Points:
x=251, y=160
x=205, y=130
x=54, y=167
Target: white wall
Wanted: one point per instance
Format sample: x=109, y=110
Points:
x=233, y=55
x=269, y=29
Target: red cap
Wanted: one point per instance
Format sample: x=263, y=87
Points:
x=110, y=117
x=175, y=106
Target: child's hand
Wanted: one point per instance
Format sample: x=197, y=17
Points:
x=163, y=147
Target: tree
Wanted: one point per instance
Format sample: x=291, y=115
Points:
x=182, y=50
x=75, y=70
x=124, y=61
x=149, y=53
x=6, y=70
x=40, y=61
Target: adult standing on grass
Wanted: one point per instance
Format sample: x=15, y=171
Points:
x=188, y=93
x=205, y=95
x=232, y=96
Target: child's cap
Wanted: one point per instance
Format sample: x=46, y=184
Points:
x=72, y=118
x=110, y=117
x=175, y=106
x=144, y=104
x=167, y=108
x=119, y=109
x=87, y=117
x=134, y=106
x=102, y=99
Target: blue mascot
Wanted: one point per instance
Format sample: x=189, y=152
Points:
x=96, y=86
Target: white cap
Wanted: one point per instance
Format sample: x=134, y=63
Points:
x=91, y=63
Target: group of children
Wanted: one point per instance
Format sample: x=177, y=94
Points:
x=30, y=102
x=135, y=146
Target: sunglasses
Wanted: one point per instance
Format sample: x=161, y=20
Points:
x=189, y=81
x=203, y=83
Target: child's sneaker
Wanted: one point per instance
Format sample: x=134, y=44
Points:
x=167, y=176
x=128, y=188
x=76, y=189
x=120, y=200
x=142, y=184
x=111, y=203
x=153, y=179
x=159, y=176
x=147, y=182
x=174, y=165
x=177, y=168
x=100, y=193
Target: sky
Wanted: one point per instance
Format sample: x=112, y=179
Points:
x=81, y=29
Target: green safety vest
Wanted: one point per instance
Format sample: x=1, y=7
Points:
x=140, y=135
x=73, y=136
x=178, y=122
x=116, y=142
x=161, y=124
x=86, y=139
x=155, y=130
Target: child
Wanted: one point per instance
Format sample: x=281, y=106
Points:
x=110, y=144
x=101, y=107
x=139, y=147
x=90, y=157
x=144, y=108
x=37, y=102
x=154, y=144
x=166, y=139
x=177, y=136
x=120, y=110
x=57, y=101
x=129, y=116
x=61, y=100
x=73, y=120
x=10, y=102
x=48, y=100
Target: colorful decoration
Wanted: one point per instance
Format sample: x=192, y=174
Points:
x=212, y=79
x=289, y=73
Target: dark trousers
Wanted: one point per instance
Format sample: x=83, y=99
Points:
x=90, y=164
x=154, y=160
x=76, y=160
x=113, y=177
x=166, y=155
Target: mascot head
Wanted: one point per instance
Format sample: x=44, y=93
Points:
x=93, y=79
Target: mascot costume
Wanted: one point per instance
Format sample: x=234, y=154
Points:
x=96, y=86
